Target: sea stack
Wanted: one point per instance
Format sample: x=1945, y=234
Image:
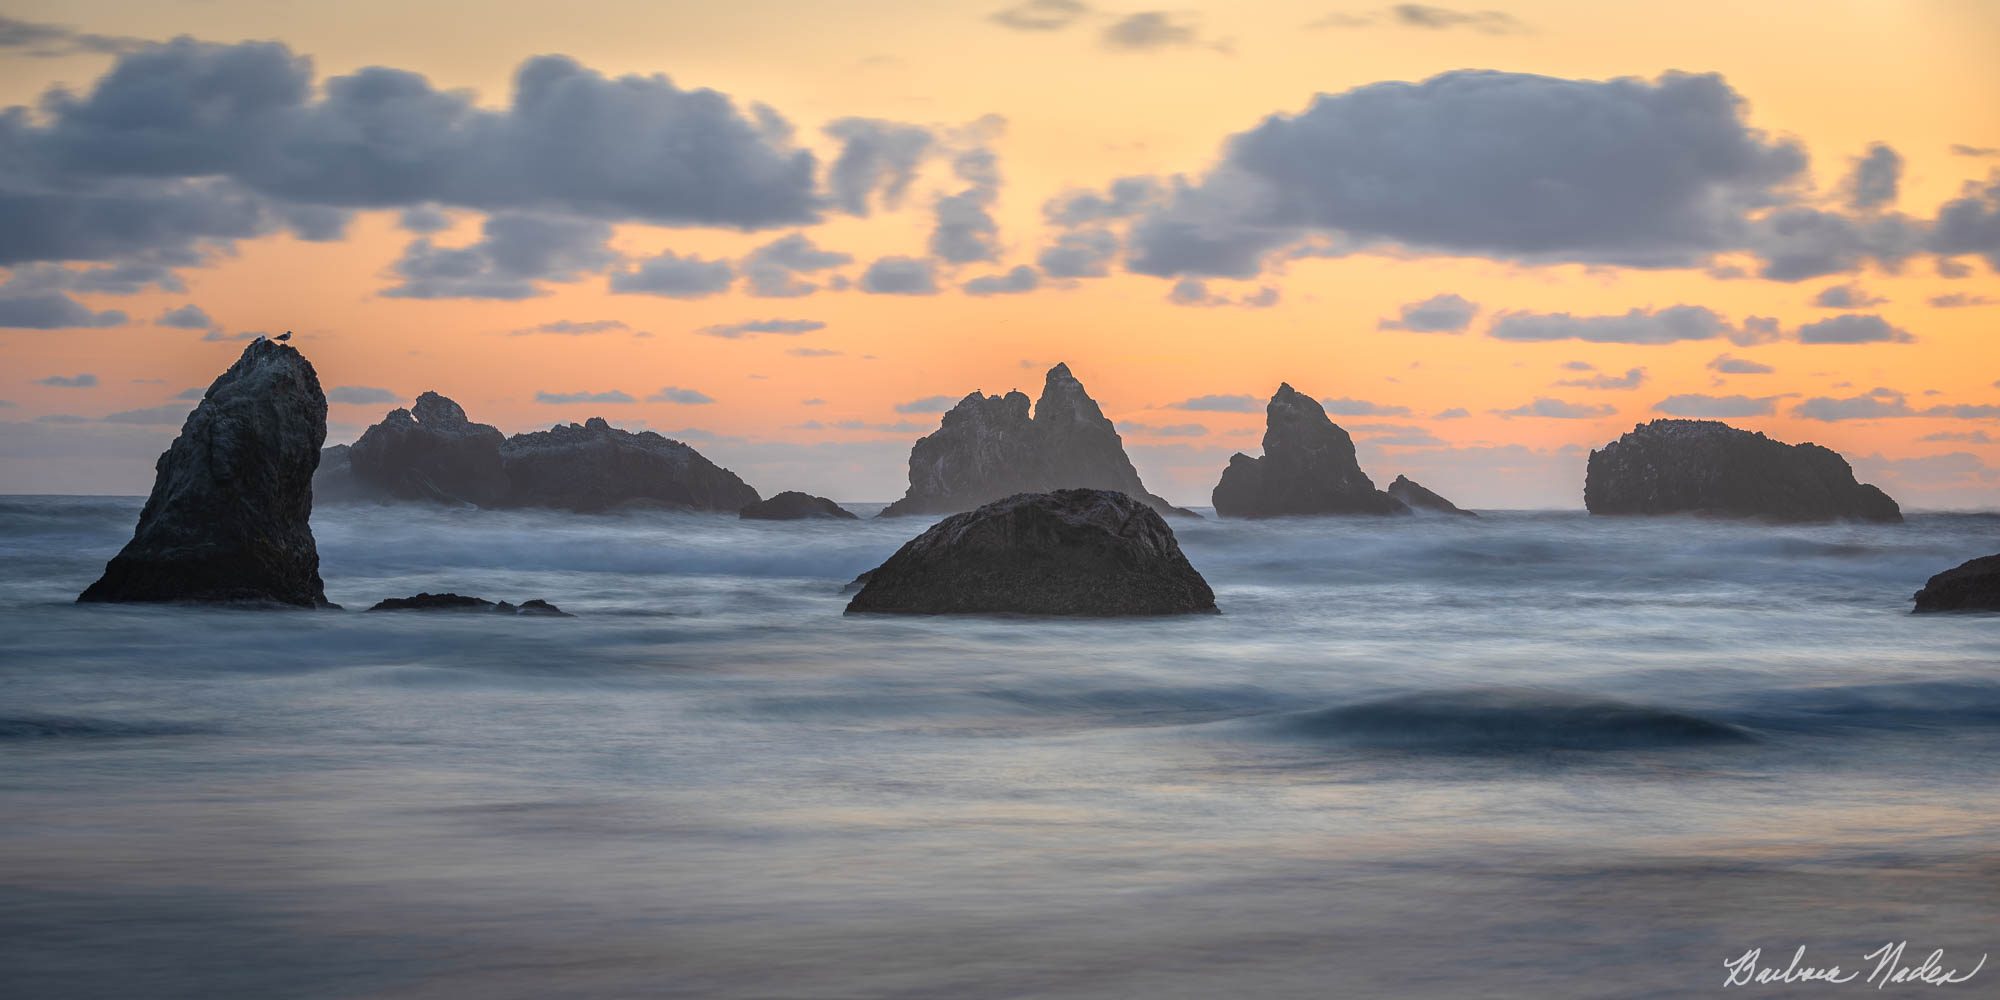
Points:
x=1308, y=467
x=792, y=505
x=1709, y=468
x=229, y=518
x=989, y=447
x=1417, y=498
x=432, y=451
x=1079, y=553
x=1969, y=586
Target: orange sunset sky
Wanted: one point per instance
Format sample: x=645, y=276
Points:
x=1782, y=214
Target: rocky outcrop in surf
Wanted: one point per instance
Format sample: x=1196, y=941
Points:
x=229, y=518
x=1970, y=586
x=1308, y=467
x=449, y=603
x=433, y=452
x=989, y=447
x=1710, y=468
x=792, y=505
x=1416, y=497
x=1089, y=553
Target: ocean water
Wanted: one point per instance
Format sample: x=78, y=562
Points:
x=1533, y=754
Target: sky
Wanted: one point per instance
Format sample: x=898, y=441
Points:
x=1488, y=238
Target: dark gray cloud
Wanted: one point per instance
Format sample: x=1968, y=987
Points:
x=1968, y=437
x=360, y=395
x=83, y=381
x=167, y=414
x=1126, y=197
x=900, y=276
x=1796, y=244
x=1150, y=30
x=878, y=160
x=675, y=276
x=1020, y=279
x=1716, y=407
x=1739, y=366
x=1853, y=328
x=1195, y=292
x=1557, y=409
x=928, y=404
x=52, y=311
x=1881, y=403
x=1960, y=149
x=964, y=231
x=609, y=396
x=1848, y=296
x=1346, y=407
x=1081, y=253
x=516, y=252
x=1875, y=178
x=1220, y=404
x=187, y=317
x=1638, y=326
x=124, y=278
x=54, y=41
x=572, y=328
x=1632, y=379
x=1970, y=223
x=676, y=394
x=1960, y=300
x=1645, y=173
x=773, y=268
x=749, y=328
x=423, y=219
x=1040, y=15
x=1446, y=313
x=192, y=392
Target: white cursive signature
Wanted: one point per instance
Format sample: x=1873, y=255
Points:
x=1888, y=967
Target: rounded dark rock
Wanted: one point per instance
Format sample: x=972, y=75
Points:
x=1709, y=468
x=1970, y=586
x=792, y=505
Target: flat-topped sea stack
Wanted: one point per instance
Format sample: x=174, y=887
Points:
x=1308, y=468
x=1072, y=553
x=229, y=520
x=1709, y=468
x=792, y=505
x=433, y=452
x=1417, y=498
x=1969, y=586
x=989, y=447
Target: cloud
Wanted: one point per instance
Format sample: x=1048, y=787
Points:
x=1798, y=243
x=610, y=396
x=1849, y=296
x=1960, y=300
x=1014, y=282
x=1195, y=292
x=423, y=220
x=928, y=404
x=1968, y=437
x=877, y=158
x=772, y=269
x=187, y=317
x=1960, y=149
x=812, y=352
x=900, y=276
x=964, y=230
x=1345, y=407
x=676, y=394
x=1427, y=16
x=360, y=395
x=1882, y=402
x=54, y=41
x=784, y=327
x=84, y=381
x=123, y=278
x=572, y=328
x=1040, y=15
x=1739, y=366
x=1632, y=379
x=1970, y=223
x=1638, y=326
x=1149, y=31
x=1083, y=253
x=1699, y=405
x=1853, y=328
x=1445, y=313
x=515, y=253
x=1513, y=166
x=51, y=310
x=674, y=276
x=165, y=414
x=192, y=392
x=1220, y=404
x=1557, y=409
x=1165, y=430
x=1455, y=413
x=1874, y=179
x=1124, y=198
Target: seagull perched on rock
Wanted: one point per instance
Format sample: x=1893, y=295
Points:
x=287, y=335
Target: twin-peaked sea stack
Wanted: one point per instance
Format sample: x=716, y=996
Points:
x=989, y=447
x=229, y=518
x=1308, y=467
x=1709, y=468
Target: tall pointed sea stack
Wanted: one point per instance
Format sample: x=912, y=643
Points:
x=229, y=519
x=989, y=447
x=1308, y=468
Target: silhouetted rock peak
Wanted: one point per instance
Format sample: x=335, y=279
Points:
x=792, y=505
x=1308, y=467
x=1416, y=497
x=1710, y=468
x=1970, y=586
x=1070, y=552
x=438, y=411
x=229, y=518
x=988, y=447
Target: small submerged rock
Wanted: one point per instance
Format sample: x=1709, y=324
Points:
x=792, y=505
x=1416, y=497
x=1970, y=586
x=1086, y=553
x=451, y=603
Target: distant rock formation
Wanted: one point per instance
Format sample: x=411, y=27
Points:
x=1094, y=553
x=1416, y=497
x=1969, y=586
x=455, y=602
x=1308, y=467
x=433, y=452
x=792, y=505
x=988, y=447
x=1710, y=468
x=229, y=518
